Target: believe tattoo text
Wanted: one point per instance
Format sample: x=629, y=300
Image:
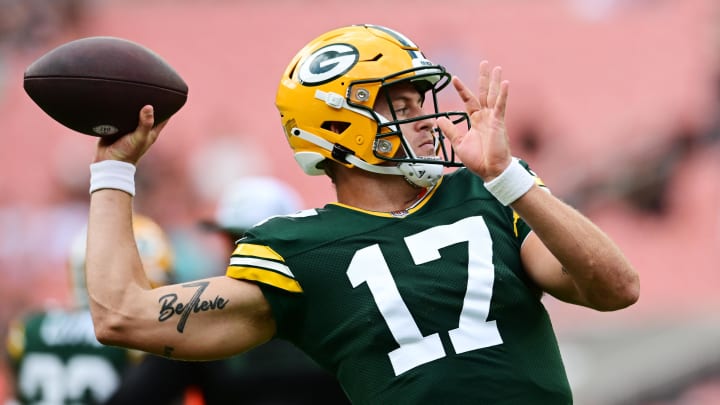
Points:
x=170, y=306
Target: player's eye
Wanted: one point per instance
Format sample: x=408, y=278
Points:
x=402, y=111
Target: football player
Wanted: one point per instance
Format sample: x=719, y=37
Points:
x=420, y=284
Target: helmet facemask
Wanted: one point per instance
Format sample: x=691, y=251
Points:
x=392, y=146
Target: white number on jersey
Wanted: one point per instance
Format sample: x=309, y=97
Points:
x=474, y=331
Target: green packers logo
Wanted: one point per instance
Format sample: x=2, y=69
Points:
x=328, y=63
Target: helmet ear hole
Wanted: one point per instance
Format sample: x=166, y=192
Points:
x=335, y=126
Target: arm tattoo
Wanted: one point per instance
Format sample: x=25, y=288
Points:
x=169, y=305
x=167, y=352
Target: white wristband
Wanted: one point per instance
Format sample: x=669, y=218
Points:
x=511, y=184
x=112, y=174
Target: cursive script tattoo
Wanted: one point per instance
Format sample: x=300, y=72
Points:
x=169, y=305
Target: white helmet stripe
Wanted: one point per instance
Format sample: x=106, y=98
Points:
x=416, y=54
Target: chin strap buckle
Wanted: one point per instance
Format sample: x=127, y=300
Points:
x=340, y=153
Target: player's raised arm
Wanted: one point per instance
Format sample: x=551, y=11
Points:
x=566, y=255
x=206, y=319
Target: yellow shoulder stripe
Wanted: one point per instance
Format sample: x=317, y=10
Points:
x=261, y=251
x=264, y=276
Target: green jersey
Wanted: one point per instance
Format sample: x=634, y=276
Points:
x=429, y=305
x=56, y=359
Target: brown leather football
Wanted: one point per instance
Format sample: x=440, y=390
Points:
x=97, y=85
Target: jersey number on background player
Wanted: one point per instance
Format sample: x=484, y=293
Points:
x=474, y=331
x=58, y=382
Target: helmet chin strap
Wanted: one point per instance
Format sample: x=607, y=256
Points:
x=421, y=174
x=417, y=174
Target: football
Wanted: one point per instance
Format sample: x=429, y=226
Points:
x=97, y=85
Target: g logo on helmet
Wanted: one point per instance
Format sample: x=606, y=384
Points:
x=328, y=63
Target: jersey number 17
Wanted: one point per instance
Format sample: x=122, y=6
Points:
x=474, y=331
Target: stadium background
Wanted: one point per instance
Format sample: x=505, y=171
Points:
x=615, y=103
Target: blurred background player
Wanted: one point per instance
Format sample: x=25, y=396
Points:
x=53, y=354
x=276, y=372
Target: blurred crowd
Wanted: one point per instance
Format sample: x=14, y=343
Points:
x=651, y=179
x=28, y=24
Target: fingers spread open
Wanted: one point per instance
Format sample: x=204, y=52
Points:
x=483, y=82
x=447, y=127
x=494, y=87
x=471, y=102
x=501, y=102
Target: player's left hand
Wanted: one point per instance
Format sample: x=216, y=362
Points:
x=485, y=147
x=131, y=147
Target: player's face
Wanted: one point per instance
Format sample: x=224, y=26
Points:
x=407, y=103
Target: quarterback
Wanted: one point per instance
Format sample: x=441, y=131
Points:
x=422, y=283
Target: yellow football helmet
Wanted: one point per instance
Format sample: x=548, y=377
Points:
x=153, y=245
x=334, y=81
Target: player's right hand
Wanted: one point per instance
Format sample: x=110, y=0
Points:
x=131, y=147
